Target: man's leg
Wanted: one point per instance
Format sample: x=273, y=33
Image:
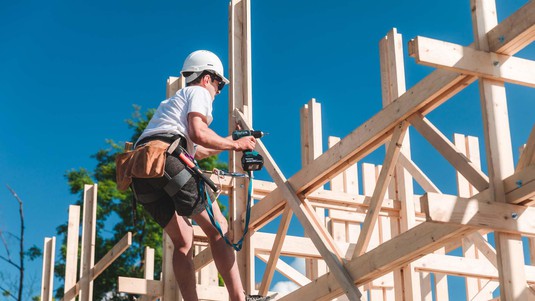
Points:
x=180, y=231
x=223, y=254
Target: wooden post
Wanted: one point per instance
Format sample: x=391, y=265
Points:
x=499, y=157
x=469, y=146
x=345, y=231
x=240, y=97
x=71, y=254
x=47, y=280
x=87, y=256
x=311, y=148
x=393, y=86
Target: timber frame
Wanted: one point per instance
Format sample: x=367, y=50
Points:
x=386, y=243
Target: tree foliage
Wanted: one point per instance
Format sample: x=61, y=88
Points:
x=115, y=216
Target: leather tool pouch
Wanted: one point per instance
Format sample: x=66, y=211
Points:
x=146, y=161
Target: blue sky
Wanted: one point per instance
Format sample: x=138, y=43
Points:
x=71, y=71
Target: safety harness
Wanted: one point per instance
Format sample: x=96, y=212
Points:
x=176, y=183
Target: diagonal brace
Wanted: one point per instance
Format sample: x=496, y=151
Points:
x=459, y=161
x=306, y=216
x=391, y=158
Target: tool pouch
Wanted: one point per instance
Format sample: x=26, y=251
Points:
x=146, y=161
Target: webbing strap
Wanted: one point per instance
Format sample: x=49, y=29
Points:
x=177, y=182
x=237, y=246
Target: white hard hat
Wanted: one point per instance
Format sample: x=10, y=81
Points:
x=201, y=60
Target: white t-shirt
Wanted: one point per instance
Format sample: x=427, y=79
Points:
x=171, y=117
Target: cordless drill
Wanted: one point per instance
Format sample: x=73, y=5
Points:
x=251, y=160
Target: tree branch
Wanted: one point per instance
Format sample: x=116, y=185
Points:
x=7, y=293
x=10, y=262
x=21, y=255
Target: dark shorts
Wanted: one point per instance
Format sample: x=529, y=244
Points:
x=185, y=201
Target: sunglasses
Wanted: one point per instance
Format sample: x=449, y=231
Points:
x=221, y=84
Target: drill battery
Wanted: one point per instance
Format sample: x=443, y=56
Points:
x=252, y=161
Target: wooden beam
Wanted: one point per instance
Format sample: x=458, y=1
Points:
x=398, y=251
x=467, y=60
x=418, y=175
x=479, y=212
x=380, y=188
x=515, y=32
x=442, y=144
x=71, y=253
x=277, y=247
x=174, y=84
x=287, y=271
x=148, y=268
x=305, y=214
x=140, y=286
x=47, y=277
x=499, y=156
x=240, y=97
x=111, y=255
x=527, y=157
x=465, y=267
x=393, y=86
x=87, y=256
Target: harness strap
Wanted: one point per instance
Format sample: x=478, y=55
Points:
x=177, y=182
x=237, y=246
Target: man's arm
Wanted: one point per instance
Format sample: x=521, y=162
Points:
x=209, y=143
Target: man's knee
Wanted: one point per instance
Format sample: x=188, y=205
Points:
x=182, y=246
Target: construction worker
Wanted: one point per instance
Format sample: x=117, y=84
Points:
x=172, y=199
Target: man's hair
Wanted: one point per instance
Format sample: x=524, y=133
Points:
x=198, y=79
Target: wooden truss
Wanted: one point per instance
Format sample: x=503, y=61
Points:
x=386, y=243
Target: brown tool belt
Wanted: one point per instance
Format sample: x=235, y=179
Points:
x=147, y=160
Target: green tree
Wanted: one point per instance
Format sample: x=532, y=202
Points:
x=115, y=211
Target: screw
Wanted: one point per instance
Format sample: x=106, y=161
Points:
x=501, y=39
x=518, y=183
x=514, y=215
x=495, y=63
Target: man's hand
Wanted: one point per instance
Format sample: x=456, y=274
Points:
x=245, y=143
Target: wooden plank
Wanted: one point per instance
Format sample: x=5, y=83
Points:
x=174, y=84
x=47, y=277
x=305, y=214
x=148, y=268
x=393, y=85
x=87, y=256
x=527, y=157
x=380, y=189
x=473, y=174
x=240, y=97
x=515, y=32
x=277, y=247
x=287, y=271
x=140, y=286
x=465, y=267
x=71, y=252
x=170, y=290
x=418, y=175
x=499, y=156
x=312, y=128
x=480, y=212
x=111, y=255
x=398, y=251
x=467, y=60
